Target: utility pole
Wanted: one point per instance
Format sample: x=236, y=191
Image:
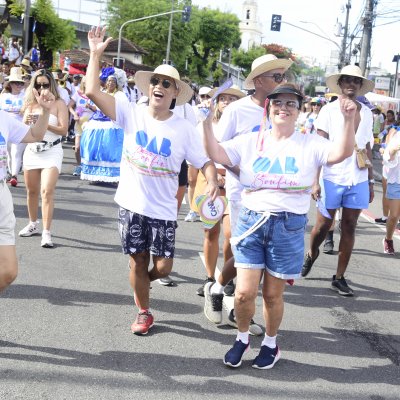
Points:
x=26, y=25
x=342, y=56
x=169, y=33
x=367, y=35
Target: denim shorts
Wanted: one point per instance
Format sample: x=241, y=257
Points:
x=141, y=234
x=393, y=191
x=276, y=246
x=336, y=196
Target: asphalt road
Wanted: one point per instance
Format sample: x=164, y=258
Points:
x=65, y=322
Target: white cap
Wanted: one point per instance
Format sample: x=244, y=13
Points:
x=204, y=90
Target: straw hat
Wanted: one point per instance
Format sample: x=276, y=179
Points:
x=351, y=70
x=142, y=79
x=234, y=90
x=25, y=62
x=15, y=75
x=264, y=64
x=131, y=79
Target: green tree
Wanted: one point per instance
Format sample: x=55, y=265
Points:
x=152, y=34
x=213, y=31
x=244, y=59
x=52, y=32
x=196, y=43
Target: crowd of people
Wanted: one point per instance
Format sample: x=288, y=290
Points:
x=270, y=151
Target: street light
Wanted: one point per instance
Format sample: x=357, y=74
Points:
x=140, y=19
x=396, y=60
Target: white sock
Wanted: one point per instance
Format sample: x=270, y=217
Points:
x=45, y=231
x=217, y=288
x=384, y=218
x=243, y=337
x=269, y=341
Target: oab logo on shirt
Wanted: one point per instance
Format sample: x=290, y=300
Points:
x=3, y=152
x=264, y=164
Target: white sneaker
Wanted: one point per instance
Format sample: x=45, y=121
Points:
x=46, y=240
x=191, y=216
x=31, y=229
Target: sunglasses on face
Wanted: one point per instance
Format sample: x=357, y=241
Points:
x=289, y=104
x=204, y=96
x=18, y=83
x=278, y=78
x=42, y=86
x=166, y=83
x=351, y=79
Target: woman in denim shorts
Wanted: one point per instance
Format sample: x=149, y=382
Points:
x=277, y=169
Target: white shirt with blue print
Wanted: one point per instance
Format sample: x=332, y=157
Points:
x=13, y=131
x=240, y=117
x=278, y=177
x=152, y=155
x=12, y=103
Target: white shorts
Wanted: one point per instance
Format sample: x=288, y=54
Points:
x=7, y=217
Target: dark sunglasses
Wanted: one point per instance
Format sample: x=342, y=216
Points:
x=278, y=78
x=18, y=83
x=154, y=81
x=351, y=79
x=205, y=96
x=42, y=86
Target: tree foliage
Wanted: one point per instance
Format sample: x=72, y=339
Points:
x=213, y=31
x=244, y=59
x=52, y=32
x=196, y=43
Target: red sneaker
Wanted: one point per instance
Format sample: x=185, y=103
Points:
x=388, y=247
x=143, y=322
x=13, y=181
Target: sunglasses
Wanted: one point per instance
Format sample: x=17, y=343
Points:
x=42, y=86
x=205, y=96
x=278, y=78
x=351, y=79
x=18, y=83
x=289, y=104
x=166, y=83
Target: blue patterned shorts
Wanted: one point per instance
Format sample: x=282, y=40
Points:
x=141, y=234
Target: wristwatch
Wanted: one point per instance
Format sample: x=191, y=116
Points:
x=371, y=181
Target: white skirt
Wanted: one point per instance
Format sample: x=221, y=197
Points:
x=45, y=159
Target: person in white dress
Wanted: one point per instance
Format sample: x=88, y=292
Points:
x=42, y=161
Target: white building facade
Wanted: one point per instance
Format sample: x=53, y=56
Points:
x=250, y=27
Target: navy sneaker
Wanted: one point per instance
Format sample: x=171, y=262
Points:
x=267, y=358
x=233, y=358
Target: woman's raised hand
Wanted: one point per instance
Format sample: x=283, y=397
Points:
x=45, y=99
x=96, y=41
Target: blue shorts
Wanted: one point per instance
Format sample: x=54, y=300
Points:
x=141, y=234
x=335, y=196
x=276, y=246
x=393, y=191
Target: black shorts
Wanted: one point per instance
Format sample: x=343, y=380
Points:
x=140, y=234
x=183, y=174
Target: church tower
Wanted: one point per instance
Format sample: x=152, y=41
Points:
x=250, y=27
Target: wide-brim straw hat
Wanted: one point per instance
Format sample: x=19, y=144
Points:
x=234, y=90
x=264, y=64
x=351, y=70
x=25, y=62
x=15, y=75
x=142, y=79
